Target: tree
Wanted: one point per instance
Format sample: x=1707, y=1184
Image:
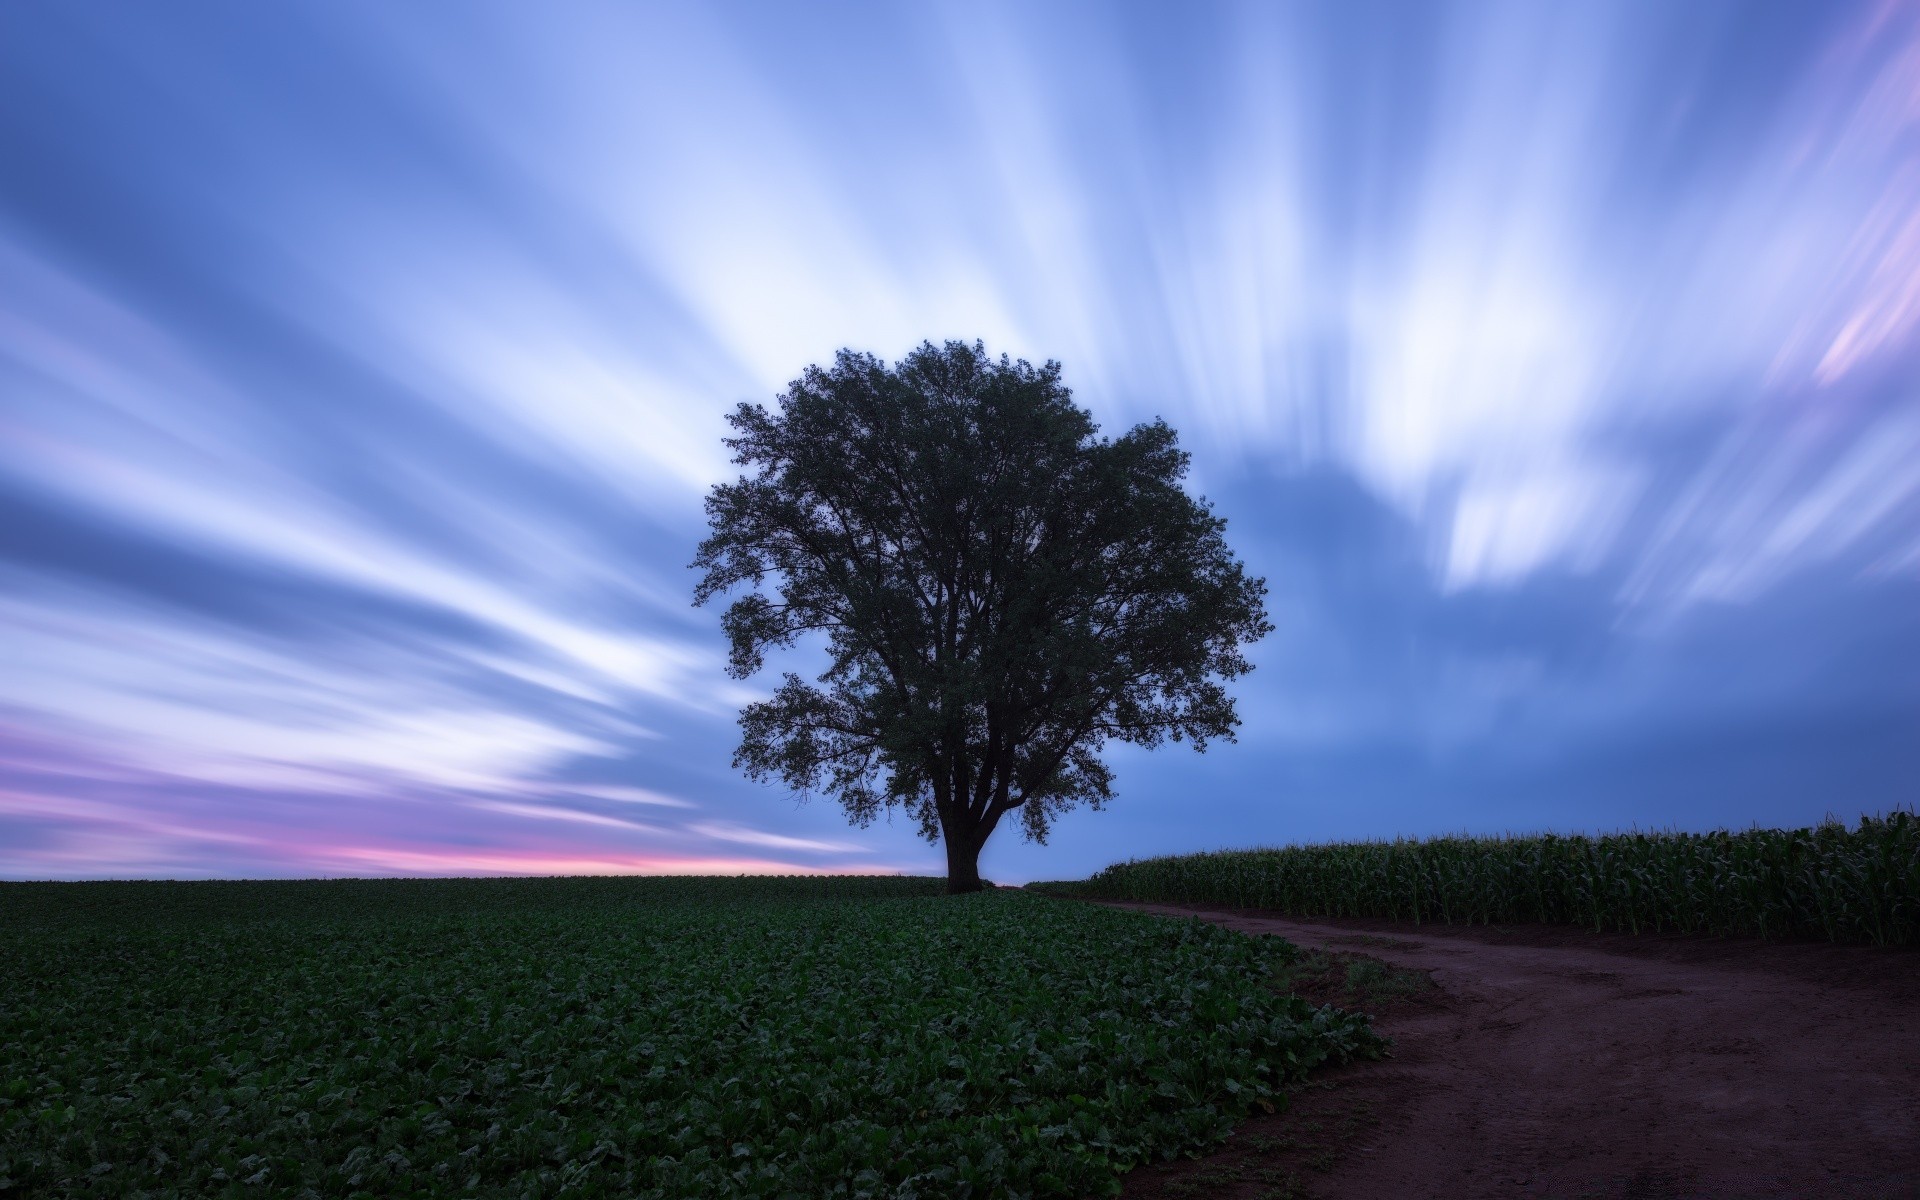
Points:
x=1001, y=591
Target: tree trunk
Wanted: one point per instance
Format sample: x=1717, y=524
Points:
x=963, y=861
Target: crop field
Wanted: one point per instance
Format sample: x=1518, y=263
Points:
x=625, y=1037
x=1857, y=885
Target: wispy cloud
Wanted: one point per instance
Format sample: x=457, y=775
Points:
x=354, y=419
x=626, y=795
x=721, y=831
x=541, y=812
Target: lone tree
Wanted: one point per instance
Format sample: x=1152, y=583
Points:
x=1001, y=592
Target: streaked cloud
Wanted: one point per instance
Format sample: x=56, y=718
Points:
x=362, y=369
x=726, y=831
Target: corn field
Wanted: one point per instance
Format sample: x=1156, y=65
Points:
x=1844, y=885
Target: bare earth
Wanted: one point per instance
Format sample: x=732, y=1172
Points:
x=1556, y=1062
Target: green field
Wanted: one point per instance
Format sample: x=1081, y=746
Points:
x=1845, y=885
x=624, y=1037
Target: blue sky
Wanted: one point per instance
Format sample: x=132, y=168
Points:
x=362, y=368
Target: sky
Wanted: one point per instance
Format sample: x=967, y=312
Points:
x=363, y=367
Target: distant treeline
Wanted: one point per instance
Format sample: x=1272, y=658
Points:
x=1832, y=882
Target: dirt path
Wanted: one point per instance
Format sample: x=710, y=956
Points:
x=1552, y=1062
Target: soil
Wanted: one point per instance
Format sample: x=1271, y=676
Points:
x=1552, y=1062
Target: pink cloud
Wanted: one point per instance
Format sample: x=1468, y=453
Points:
x=73, y=811
x=440, y=861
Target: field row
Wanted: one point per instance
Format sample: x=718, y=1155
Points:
x=1844, y=885
x=625, y=1037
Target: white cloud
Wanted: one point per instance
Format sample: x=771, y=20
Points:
x=626, y=795
x=185, y=698
x=539, y=812
x=723, y=831
x=1503, y=529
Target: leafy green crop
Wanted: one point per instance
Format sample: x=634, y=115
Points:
x=629, y=1037
x=1845, y=885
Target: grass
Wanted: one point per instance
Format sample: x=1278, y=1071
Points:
x=1859, y=884
x=1346, y=978
x=629, y=1037
x=1281, y=1157
x=1372, y=980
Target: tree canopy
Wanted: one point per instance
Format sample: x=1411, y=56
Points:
x=1001, y=592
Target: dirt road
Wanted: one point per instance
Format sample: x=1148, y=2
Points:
x=1553, y=1062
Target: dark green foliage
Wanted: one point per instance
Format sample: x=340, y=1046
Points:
x=1844, y=885
x=1000, y=591
x=623, y=1037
